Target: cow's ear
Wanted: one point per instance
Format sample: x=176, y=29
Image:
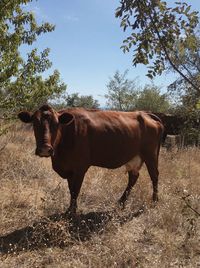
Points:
x=25, y=117
x=66, y=118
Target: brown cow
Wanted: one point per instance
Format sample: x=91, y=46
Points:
x=76, y=139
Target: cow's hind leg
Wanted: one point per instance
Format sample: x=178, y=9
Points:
x=132, y=178
x=152, y=166
x=133, y=167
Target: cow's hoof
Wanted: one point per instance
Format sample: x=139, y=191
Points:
x=155, y=198
x=69, y=214
x=121, y=204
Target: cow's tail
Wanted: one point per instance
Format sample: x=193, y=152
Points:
x=141, y=120
x=161, y=128
x=155, y=117
x=158, y=119
x=161, y=134
x=161, y=138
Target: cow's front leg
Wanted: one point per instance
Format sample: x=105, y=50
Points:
x=74, y=182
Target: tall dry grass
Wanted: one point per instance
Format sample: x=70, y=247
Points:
x=102, y=235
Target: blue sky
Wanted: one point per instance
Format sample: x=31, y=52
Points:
x=85, y=46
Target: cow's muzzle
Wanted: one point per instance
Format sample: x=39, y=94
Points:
x=44, y=151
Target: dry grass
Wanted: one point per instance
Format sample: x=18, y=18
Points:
x=102, y=235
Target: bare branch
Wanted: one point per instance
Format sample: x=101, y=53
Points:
x=167, y=54
x=188, y=205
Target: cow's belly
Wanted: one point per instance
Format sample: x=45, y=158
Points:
x=114, y=153
x=133, y=163
x=115, y=159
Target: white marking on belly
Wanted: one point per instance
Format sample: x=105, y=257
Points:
x=134, y=164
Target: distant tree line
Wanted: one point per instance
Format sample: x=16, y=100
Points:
x=127, y=95
x=77, y=100
x=123, y=94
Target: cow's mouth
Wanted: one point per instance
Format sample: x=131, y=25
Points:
x=45, y=151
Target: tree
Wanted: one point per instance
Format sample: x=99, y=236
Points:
x=188, y=59
x=155, y=29
x=125, y=96
x=188, y=108
x=21, y=82
x=122, y=92
x=188, y=98
x=85, y=101
x=150, y=99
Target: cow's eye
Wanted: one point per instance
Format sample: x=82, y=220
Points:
x=36, y=120
x=46, y=117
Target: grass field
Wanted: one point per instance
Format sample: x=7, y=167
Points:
x=32, y=196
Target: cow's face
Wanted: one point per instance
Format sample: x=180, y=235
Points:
x=45, y=124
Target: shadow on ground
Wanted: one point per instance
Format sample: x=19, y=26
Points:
x=61, y=230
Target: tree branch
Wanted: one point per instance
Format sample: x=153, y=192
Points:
x=187, y=203
x=167, y=54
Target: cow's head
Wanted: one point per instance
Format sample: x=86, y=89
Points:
x=45, y=124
